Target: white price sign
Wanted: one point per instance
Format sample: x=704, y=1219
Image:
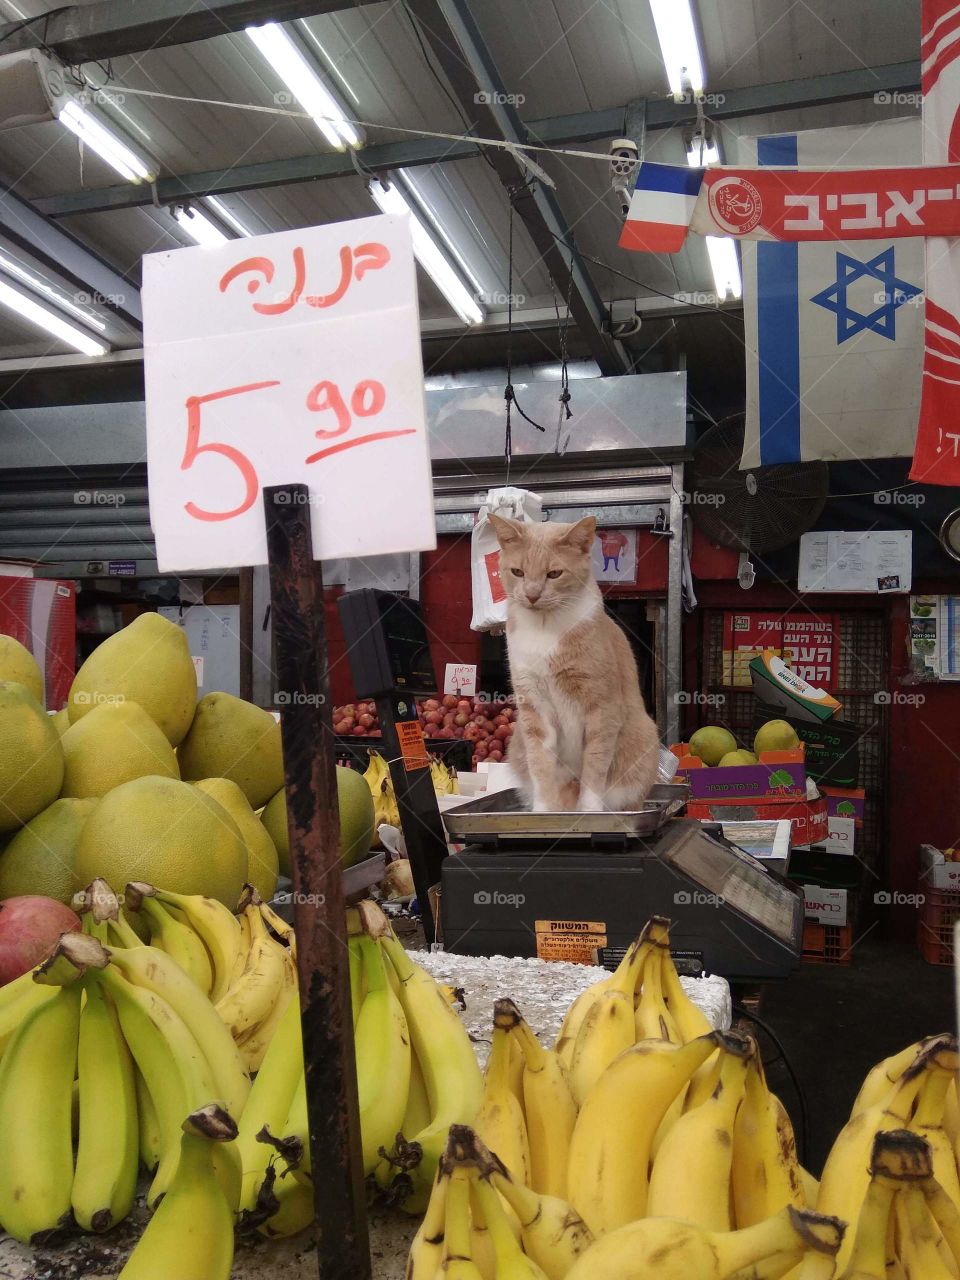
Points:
x=285, y=358
x=460, y=678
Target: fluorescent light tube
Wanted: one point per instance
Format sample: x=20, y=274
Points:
x=700, y=152
x=199, y=227
x=725, y=265
x=40, y=286
x=679, y=46
x=428, y=253
x=221, y=210
x=105, y=143
x=304, y=84
x=48, y=320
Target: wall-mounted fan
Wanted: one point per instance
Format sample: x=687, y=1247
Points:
x=757, y=510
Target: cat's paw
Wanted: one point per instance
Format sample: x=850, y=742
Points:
x=589, y=802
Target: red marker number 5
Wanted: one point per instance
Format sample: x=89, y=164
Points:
x=240, y=460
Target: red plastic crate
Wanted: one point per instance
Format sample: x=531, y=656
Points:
x=938, y=914
x=827, y=943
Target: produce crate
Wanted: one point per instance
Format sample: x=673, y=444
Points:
x=453, y=751
x=938, y=914
x=827, y=943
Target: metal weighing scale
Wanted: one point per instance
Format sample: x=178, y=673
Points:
x=560, y=877
x=530, y=884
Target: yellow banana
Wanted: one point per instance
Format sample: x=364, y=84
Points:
x=30, y=995
x=765, y=1172
x=151, y=1143
x=691, y=1022
x=108, y=1150
x=691, y=1174
x=610, y=1146
x=295, y=1208
x=219, y=930
x=171, y=935
x=549, y=1108
x=608, y=1027
x=500, y=1122
x=270, y=1100
x=356, y=978
x=450, y=1071
x=155, y=970
x=884, y=1076
x=512, y=1263
x=36, y=1078
x=417, y=1113
x=918, y=1238
x=253, y=1044
x=668, y=1250
x=653, y=1020
x=928, y=1123
x=553, y=1233
x=258, y=988
x=383, y=1058
x=426, y=1251
x=458, y=1263
x=191, y=1233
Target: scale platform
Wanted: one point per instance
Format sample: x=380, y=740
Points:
x=530, y=884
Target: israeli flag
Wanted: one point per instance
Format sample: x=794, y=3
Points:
x=833, y=331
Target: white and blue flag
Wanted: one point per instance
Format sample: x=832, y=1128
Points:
x=834, y=331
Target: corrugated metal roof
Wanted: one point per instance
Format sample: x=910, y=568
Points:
x=559, y=56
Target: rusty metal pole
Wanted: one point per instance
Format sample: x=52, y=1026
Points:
x=313, y=821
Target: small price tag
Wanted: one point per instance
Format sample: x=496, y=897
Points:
x=460, y=678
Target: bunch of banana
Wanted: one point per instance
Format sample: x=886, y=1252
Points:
x=147, y=1049
x=263, y=982
x=192, y=1230
x=444, y=778
x=416, y=1075
x=377, y=777
x=481, y=1225
x=910, y=1091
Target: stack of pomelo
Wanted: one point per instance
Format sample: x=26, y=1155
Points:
x=135, y=780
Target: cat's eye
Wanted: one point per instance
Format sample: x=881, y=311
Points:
x=517, y=573
x=554, y=573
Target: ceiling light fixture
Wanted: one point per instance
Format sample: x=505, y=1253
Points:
x=43, y=318
x=108, y=146
x=293, y=67
x=198, y=226
x=725, y=265
x=224, y=213
x=391, y=198
x=702, y=151
x=679, y=46
x=40, y=286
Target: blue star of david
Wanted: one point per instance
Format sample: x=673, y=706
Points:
x=893, y=295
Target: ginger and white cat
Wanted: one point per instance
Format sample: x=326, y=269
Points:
x=584, y=739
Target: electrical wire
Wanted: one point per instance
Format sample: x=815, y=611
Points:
x=37, y=17
x=802, y=1137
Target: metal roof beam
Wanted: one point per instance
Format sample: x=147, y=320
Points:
x=567, y=130
x=468, y=65
x=58, y=250
x=110, y=28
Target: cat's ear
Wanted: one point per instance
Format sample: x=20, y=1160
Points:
x=580, y=535
x=507, y=531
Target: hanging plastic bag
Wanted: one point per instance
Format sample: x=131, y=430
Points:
x=489, y=597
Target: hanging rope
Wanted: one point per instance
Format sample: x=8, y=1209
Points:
x=509, y=394
x=565, y=413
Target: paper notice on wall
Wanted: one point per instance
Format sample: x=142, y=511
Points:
x=869, y=561
x=923, y=638
x=808, y=643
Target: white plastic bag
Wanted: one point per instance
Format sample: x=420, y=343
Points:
x=489, y=597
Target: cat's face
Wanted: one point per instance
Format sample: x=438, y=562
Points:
x=543, y=565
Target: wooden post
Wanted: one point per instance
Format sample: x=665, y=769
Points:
x=303, y=698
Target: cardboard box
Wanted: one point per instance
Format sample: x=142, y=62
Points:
x=825, y=905
x=841, y=835
x=936, y=872
x=815, y=864
x=777, y=686
x=807, y=817
x=845, y=802
x=832, y=747
x=778, y=775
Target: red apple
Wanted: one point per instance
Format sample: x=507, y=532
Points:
x=449, y=699
x=460, y=719
x=494, y=755
x=366, y=720
x=471, y=733
x=431, y=704
x=465, y=704
x=434, y=717
x=29, y=928
x=359, y=731
x=502, y=732
x=446, y=732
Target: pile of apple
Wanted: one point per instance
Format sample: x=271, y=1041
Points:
x=488, y=725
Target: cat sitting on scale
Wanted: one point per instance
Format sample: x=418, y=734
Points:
x=584, y=740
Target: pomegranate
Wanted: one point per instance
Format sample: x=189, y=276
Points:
x=29, y=927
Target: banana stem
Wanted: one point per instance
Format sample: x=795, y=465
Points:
x=784, y=1232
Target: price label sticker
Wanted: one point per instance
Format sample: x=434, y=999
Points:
x=413, y=746
x=575, y=941
x=460, y=678
x=292, y=357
